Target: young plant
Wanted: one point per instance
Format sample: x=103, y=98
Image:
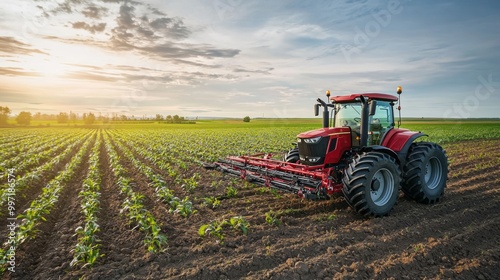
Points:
x=182, y=207
x=191, y=184
x=272, y=218
x=212, y=202
x=216, y=228
x=231, y=192
x=239, y=222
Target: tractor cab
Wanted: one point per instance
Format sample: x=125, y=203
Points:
x=347, y=113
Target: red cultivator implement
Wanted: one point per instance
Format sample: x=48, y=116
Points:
x=310, y=182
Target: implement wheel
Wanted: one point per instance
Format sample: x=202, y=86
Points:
x=425, y=172
x=371, y=184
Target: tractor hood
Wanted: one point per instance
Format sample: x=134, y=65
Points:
x=315, y=145
x=323, y=132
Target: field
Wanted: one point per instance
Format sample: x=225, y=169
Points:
x=130, y=202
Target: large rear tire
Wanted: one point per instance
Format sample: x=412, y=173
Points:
x=371, y=184
x=292, y=155
x=425, y=172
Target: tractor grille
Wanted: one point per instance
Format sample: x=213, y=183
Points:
x=313, y=153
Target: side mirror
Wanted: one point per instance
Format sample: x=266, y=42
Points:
x=316, y=109
x=373, y=107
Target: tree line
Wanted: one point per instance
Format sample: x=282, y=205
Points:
x=25, y=118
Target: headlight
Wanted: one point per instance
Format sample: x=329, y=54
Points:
x=313, y=159
x=312, y=140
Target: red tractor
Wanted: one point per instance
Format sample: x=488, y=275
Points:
x=361, y=154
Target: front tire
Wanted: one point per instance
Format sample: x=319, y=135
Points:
x=292, y=155
x=371, y=184
x=425, y=172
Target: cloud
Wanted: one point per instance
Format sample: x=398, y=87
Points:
x=170, y=27
x=155, y=37
x=91, y=76
x=197, y=64
x=94, y=12
x=91, y=28
x=12, y=46
x=64, y=7
x=14, y=71
x=156, y=11
x=242, y=70
x=139, y=28
x=171, y=50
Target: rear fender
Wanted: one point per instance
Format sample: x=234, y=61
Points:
x=400, y=140
x=382, y=149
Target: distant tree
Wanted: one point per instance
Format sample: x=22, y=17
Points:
x=105, y=119
x=123, y=118
x=177, y=119
x=169, y=118
x=246, y=119
x=62, y=117
x=37, y=116
x=73, y=117
x=89, y=118
x=159, y=117
x=4, y=115
x=24, y=118
x=44, y=117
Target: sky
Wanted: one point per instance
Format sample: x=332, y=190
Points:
x=233, y=58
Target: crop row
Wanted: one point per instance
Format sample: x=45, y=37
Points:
x=35, y=176
x=41, y=207
x=184, y=207
x=86, y=250
x=37, y=154
x=10, y=138
x=13, y=146
x=133, y=205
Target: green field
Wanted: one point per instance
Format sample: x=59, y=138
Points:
x=153, y=183
x=439, y=130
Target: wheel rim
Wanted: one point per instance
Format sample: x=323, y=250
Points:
x=382, y=187
x=433, y=173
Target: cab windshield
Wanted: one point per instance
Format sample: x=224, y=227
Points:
x=349, y=114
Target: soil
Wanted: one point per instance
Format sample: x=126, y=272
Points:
x=457, y=238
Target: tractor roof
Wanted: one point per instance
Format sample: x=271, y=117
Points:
x=353, y=97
